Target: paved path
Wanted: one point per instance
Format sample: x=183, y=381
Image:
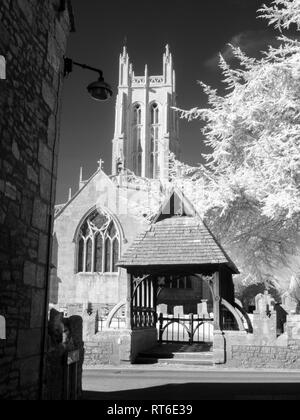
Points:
x=148, y=383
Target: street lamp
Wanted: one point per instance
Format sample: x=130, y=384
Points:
x=99, y=90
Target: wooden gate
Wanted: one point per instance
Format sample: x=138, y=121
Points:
x=186, y=329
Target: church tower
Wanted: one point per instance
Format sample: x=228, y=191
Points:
x=146, y=126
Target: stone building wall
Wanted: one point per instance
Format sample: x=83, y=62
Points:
x=70, y=289
x=33, y=37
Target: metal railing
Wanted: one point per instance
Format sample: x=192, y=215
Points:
x=186, y=328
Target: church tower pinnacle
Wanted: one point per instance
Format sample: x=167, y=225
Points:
x=146, y=126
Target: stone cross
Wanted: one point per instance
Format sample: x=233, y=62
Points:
x=100, y=163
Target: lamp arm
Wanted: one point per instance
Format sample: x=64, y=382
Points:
x=84, y=66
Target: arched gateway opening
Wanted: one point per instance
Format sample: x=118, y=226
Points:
x=180, y=283
x=185, y=310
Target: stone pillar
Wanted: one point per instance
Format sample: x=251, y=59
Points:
x=89, y=326
x=219, y=349
x=293, y=329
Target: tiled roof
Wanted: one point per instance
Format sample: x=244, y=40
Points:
x=176, y=241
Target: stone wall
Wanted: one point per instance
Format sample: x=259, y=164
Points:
x=114, y=347
x=33, y=37
x=266, y=357
x=267, y=347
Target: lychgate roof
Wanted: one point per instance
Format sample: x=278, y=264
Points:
x=176, y=240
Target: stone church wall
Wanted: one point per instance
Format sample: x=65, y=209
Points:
x=69, y=288
x=33, y=37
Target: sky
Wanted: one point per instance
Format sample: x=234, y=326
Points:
x=196, y=30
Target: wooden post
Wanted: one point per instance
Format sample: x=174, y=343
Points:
x=161, y=326
x=217, y=302
x=129, y=309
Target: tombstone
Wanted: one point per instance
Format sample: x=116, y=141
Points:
x=162, y=309
x=264, y=304
x=178, y=311
x=265, y=320
x=202, y=309
x=289, y=304
x=2, y=328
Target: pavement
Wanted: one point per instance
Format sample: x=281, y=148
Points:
x=165, y=383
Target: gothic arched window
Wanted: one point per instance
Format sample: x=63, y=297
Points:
x=154, y=114
x=155, y=131
x=98, y=244
x=137, y=140
x=137, y=115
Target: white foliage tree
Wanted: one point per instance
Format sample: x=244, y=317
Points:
x=252, y=175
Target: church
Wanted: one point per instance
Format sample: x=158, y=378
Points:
x=111, y=260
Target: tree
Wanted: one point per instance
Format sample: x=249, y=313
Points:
x=251, y=181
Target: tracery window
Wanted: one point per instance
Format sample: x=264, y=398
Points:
x=155, y=131
x=98, y=244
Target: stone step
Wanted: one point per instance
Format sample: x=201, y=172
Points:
x=176, y=356
x=175, y=361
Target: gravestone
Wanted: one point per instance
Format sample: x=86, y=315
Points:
x=264, y=304
x=178, y=311
x=265, y=320
x=202, y=308
x=162, y=309
x=289, y=304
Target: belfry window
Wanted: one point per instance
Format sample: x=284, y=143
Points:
x=98, y=244
x=137, y=115
x=155, y=132
x=137, y=140
x=154, y=114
